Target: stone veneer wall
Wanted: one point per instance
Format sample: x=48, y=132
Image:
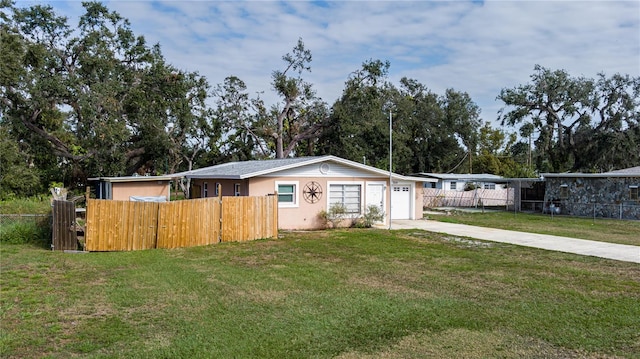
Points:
x=606, y=197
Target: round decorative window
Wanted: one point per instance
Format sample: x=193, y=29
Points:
x=312, y=192
x=324, y=168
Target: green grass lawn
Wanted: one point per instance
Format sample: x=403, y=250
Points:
x=605, y=230
x=342, y=293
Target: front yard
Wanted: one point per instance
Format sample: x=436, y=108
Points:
x=338, y=293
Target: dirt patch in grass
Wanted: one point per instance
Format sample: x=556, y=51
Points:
x=391, y=286
x=469, y=344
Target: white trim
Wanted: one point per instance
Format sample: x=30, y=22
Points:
x=205, y=189
x=296, y=197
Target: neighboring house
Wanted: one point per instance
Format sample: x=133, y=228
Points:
x=465, y=190
x=133, y=188
x=308, y=185
x=611, y=194
x=459, y=182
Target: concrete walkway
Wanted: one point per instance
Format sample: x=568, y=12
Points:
x=620, y=252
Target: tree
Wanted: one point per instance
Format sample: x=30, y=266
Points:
x=236, y=113
x=501, y=154
x=302, y=114
x=611, y=137
x=358, y=127
x=422, y=132
x=582, y=124
x=464, y=116
x=97, y=101
x=18, y=175
x=427, y=129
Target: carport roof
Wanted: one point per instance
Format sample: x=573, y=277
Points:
x=626, y=172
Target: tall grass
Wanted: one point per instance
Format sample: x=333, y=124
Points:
x=20, y=232
x=32, y=205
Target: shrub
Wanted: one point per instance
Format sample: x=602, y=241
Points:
x=337, y=214
x=372, y=214
x=334, y=216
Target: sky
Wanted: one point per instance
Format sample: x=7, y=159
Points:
x=478, y=47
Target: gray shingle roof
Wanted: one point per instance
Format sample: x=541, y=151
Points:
x=245, y=169
x=626, y=172
x=248, y=169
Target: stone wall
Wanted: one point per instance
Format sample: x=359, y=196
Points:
x=606, y=197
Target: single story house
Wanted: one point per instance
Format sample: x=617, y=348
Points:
x=132, y=188
x=466, y=190
x=459, y=182
x=611, y=194
x=308, y=185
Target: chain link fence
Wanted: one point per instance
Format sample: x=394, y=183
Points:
x=12, y=219
x=621, y=210
x=19, y=228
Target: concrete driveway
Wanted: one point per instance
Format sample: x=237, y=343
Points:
x=620, y=252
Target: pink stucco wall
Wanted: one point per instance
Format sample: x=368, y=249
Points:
x=121, y=191
x=303, y=215
x=418, y=200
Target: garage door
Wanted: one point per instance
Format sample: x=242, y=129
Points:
x=401, y=202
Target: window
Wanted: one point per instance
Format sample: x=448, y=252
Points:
x=217, y=189
x=633, y=193
x=236, y=189
x=287, y=194
x=348, y=195
x=489, y=186
x=205, y=190
x=454, y=185
x=564, y=191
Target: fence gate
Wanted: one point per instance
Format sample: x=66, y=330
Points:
x=64, y=226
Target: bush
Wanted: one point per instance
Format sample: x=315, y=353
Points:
x=337, y=214
x=372, y=214
x=334, y=216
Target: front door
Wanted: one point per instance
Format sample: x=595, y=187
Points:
x=375, y=195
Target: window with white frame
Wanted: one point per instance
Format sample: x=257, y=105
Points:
x=489, y=186
x=217, y=189
x=205, y=189
x=349, y=195
x=454, y=185
x=236, y=189
x=287, y=193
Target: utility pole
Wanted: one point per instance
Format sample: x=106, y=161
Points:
x=390, y=164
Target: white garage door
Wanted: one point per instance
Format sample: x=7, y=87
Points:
x=401, y=202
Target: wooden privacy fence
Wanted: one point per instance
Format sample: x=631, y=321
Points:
x=64, y=235
x=127, y=225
